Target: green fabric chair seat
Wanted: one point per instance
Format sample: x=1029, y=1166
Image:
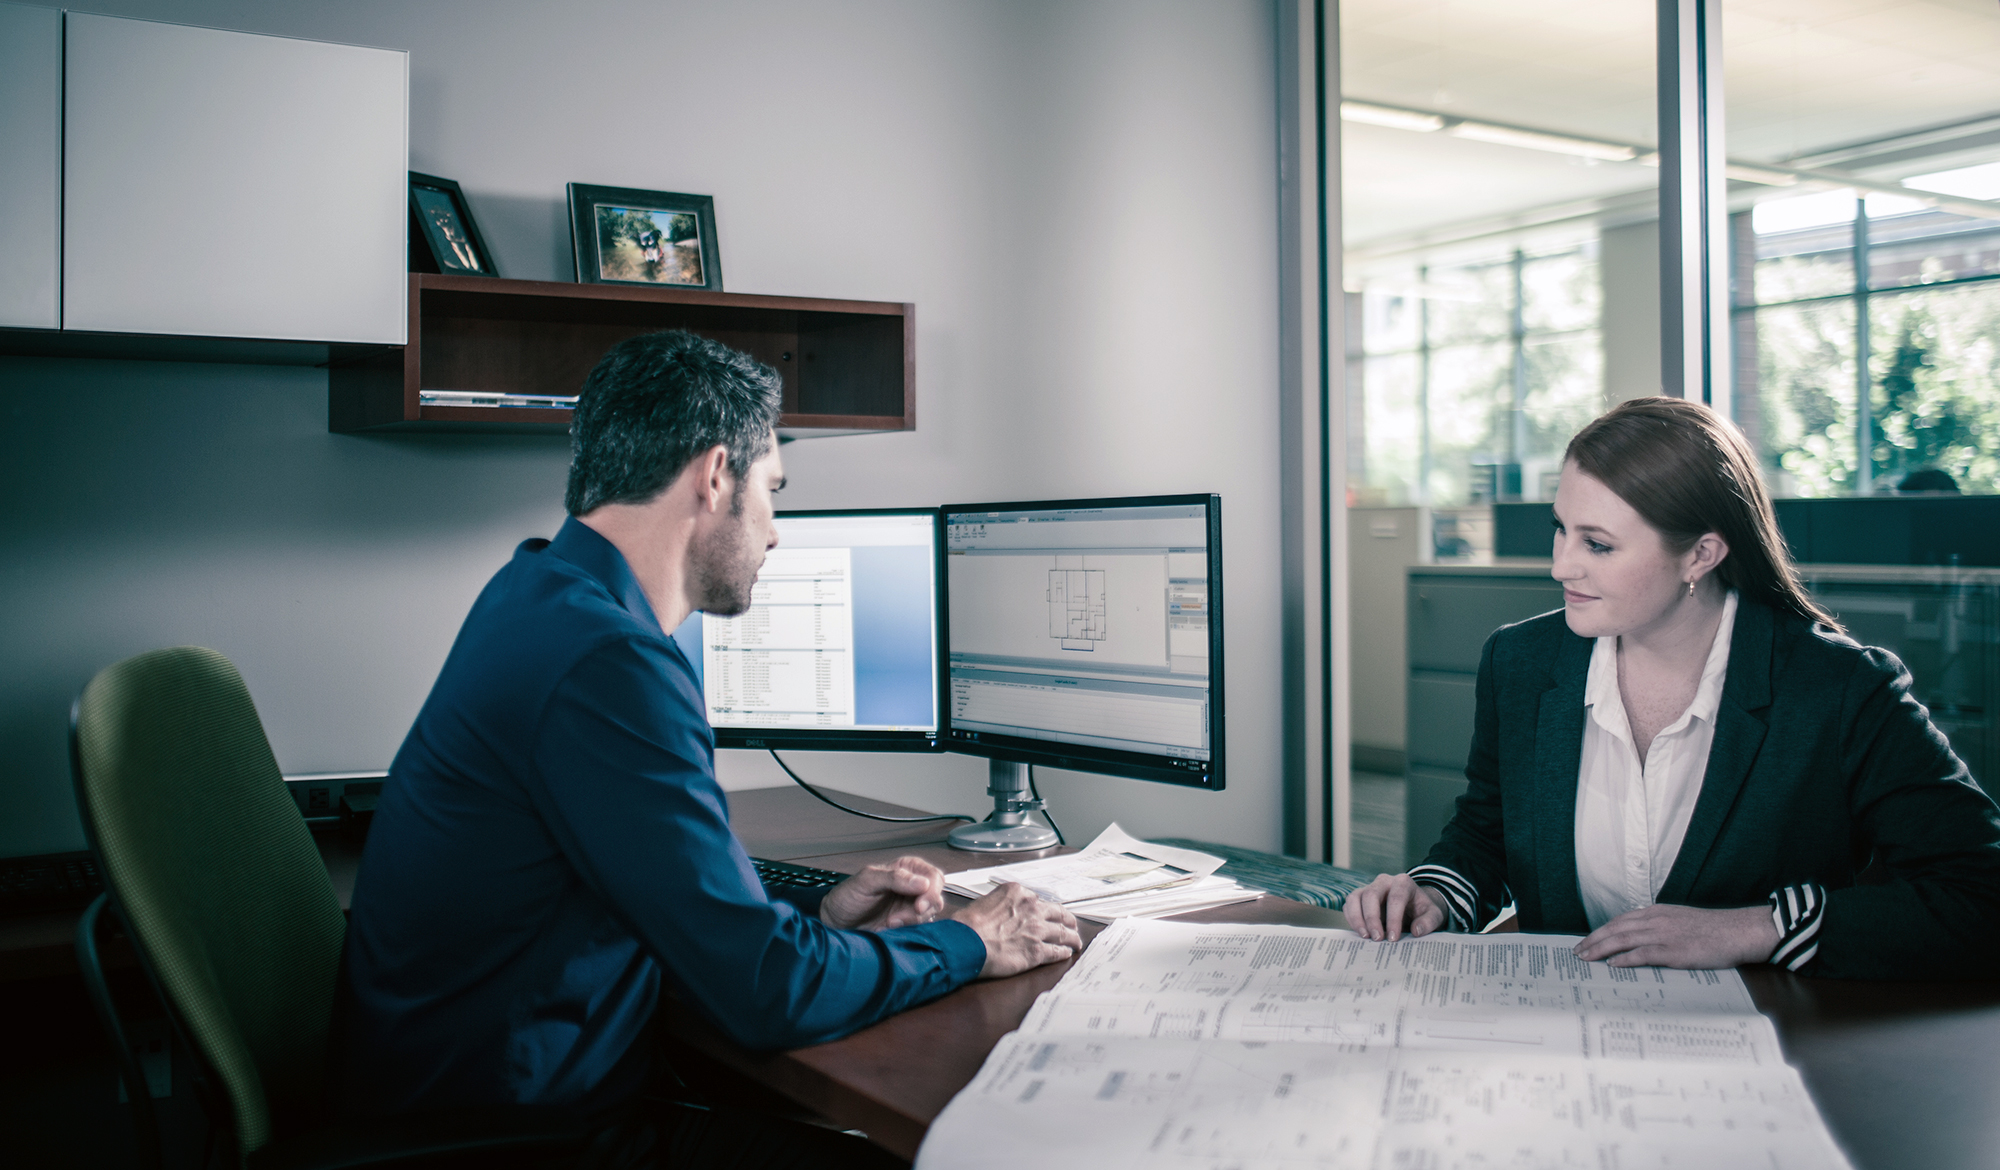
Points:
x=1312, y=882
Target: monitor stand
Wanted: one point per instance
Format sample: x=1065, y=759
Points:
x=1007, y=828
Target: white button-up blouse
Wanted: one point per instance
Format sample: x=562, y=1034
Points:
x=1631, y=817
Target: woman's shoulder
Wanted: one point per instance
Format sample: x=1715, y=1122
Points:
x=1815, y=650
x=1534, y=640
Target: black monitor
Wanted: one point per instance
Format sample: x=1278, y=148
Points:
x=840, y=649
x=1087, y=634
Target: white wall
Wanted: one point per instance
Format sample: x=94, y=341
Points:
x=1079, y=197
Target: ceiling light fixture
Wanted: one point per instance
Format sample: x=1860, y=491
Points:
x=1373, y=115
x=1537, y=140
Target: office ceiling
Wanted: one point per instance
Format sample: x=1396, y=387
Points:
x=1802, y=77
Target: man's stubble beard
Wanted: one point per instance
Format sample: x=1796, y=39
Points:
x=725, y=566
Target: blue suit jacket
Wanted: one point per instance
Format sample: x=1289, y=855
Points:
x=1824, y=768
x=552, y=845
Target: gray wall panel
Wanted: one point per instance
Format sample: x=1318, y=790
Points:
x=865, y=149
x=30, y=165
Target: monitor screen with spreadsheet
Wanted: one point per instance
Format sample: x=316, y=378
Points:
x=1087, y=634
x=839, y=649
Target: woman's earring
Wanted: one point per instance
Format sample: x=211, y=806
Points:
x=1690, y=588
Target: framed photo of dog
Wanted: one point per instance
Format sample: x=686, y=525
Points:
x=660, y=238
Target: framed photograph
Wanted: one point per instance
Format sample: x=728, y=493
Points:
x=443, y=237
x=627, y=236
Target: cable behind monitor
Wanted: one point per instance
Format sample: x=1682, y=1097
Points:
x=1036, y=792
x=871, y=816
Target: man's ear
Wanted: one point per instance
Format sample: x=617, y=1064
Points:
x=712, y=479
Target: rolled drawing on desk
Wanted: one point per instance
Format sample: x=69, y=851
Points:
x=1197, y=1044
x=1096, y=1103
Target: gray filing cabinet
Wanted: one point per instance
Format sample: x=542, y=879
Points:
x=1944, y=623
x=1452, y=609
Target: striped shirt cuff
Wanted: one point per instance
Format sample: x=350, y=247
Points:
x=1796, y=911
x=1460, y=899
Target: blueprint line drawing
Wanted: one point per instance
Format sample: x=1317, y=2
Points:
x=1076, y=607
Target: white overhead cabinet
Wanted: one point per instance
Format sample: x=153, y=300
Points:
x=30, y=165
x=226, y=184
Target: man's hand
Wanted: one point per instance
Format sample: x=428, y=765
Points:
x=1682, y=936
x=1392, y=903
x=908, y=891
x=1020, y=930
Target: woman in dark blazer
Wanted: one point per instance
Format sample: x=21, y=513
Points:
x=1689, y=763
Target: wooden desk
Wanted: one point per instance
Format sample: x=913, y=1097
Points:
x=1906, y=1074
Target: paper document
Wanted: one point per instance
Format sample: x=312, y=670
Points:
x=1095, y=1103
x=1514, y=971
x=1198, y=1046
x=1365, y=1024
x=1115, y=863
x=1179, y=898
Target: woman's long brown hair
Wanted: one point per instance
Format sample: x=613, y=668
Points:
x=1687, y=471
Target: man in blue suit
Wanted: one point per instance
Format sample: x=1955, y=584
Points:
x=552, y=846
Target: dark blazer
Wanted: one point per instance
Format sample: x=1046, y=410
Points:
x=1823, y=766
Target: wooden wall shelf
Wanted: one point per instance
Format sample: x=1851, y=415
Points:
x=848, y=366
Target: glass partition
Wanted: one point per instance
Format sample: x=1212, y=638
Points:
x=1485, y=149
x=1866, y=313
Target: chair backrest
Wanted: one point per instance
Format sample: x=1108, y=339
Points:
x=215, y=873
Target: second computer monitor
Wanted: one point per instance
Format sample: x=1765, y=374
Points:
x=1087, y=634
x=839, y=649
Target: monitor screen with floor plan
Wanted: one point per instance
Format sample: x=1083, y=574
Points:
x=839, y=649
x=1087, y=634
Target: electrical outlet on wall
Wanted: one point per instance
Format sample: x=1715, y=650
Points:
x=319, y=794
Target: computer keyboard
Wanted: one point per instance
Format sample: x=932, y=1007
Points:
x=52, y=881
x=798, y=877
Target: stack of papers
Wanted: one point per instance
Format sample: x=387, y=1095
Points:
x=1267, y=1046
x=1116, y=876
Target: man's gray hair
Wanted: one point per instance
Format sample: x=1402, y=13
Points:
x=655, y=402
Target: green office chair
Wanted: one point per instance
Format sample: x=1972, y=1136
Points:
x=213, y=873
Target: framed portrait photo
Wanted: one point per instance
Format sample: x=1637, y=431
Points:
x=443, y=237
x=627, y=236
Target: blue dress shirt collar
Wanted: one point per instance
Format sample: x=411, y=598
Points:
x=587, y=549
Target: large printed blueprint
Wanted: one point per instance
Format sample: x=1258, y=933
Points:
x=1197, y=1045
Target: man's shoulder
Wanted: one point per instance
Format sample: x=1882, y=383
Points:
x=539, y=594
x=541, y=615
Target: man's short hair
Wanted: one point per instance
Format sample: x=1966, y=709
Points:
x=655, y=402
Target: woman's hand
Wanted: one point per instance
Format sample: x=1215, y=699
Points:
x=1391, y=904
x=1682, y=936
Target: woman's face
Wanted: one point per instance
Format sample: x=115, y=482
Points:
x=1617, y=575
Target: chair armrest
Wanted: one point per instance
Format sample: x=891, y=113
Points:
x=508, y=1136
